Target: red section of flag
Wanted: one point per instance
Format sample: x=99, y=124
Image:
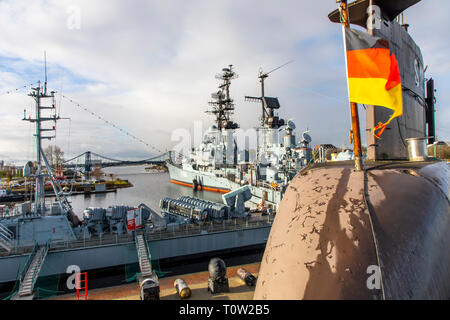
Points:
x=394, y=74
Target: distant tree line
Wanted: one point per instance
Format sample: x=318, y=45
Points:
x=442, y=151
x=55, y=156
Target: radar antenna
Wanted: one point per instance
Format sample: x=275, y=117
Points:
x=268, y=104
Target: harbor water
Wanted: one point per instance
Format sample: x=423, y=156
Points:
x=149, y=187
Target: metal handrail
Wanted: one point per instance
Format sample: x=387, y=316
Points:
x=139, y=253
x=6, y=230
x=6, y=238
x=168, y=233
x=28, y=262
x=6, y=235
x=38, y=262
x=149, y=255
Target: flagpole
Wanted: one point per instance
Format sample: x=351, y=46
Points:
x=353, y=106
x=370, y=26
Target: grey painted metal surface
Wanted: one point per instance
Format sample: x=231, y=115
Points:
x=39, y=229
x=411, y=224
x=358, y=10
x=412, y=123
x=103, y=256
x=10, y=267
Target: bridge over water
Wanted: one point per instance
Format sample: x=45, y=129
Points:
x=90, y=159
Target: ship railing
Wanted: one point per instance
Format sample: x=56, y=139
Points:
x=102, y=239
x=162, y=234
x=6, y=237
x=13, y=213
x=267, y=185
x=18, y=248
x=210, y=227
x=149, y=255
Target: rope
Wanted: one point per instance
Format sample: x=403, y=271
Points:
x=16, y=287
x=111, y=123
x=116, y=126
x=17, y=89
x=400, y=133
x=68, y=138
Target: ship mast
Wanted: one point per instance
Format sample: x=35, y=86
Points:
x=355, y=132
x=39, y=94
x=268, y=104
x=269, y=121
x=222, y=104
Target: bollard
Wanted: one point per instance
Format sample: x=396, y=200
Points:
x=217, y=281
x=182, y=288
x=247, y=277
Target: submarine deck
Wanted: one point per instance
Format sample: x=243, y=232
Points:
x=336, y=224
x=197, y=282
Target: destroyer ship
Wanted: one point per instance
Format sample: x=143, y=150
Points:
x=221, y=164
x=38, y=241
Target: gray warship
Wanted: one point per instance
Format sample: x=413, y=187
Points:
x=38, y=240
x=221, y=164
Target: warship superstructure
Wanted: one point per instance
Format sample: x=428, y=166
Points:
x=221, y=164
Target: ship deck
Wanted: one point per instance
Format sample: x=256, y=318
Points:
x=170, y=232
x=197, y=282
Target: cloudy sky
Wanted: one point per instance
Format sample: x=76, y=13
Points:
x=149, y=66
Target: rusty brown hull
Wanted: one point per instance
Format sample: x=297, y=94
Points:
x=378, y=234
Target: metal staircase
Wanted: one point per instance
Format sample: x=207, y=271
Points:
x=28, y=281
x=6, y=238
x=143, y=256
x=148, y=280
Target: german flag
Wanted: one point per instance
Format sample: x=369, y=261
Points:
x=373, y=75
